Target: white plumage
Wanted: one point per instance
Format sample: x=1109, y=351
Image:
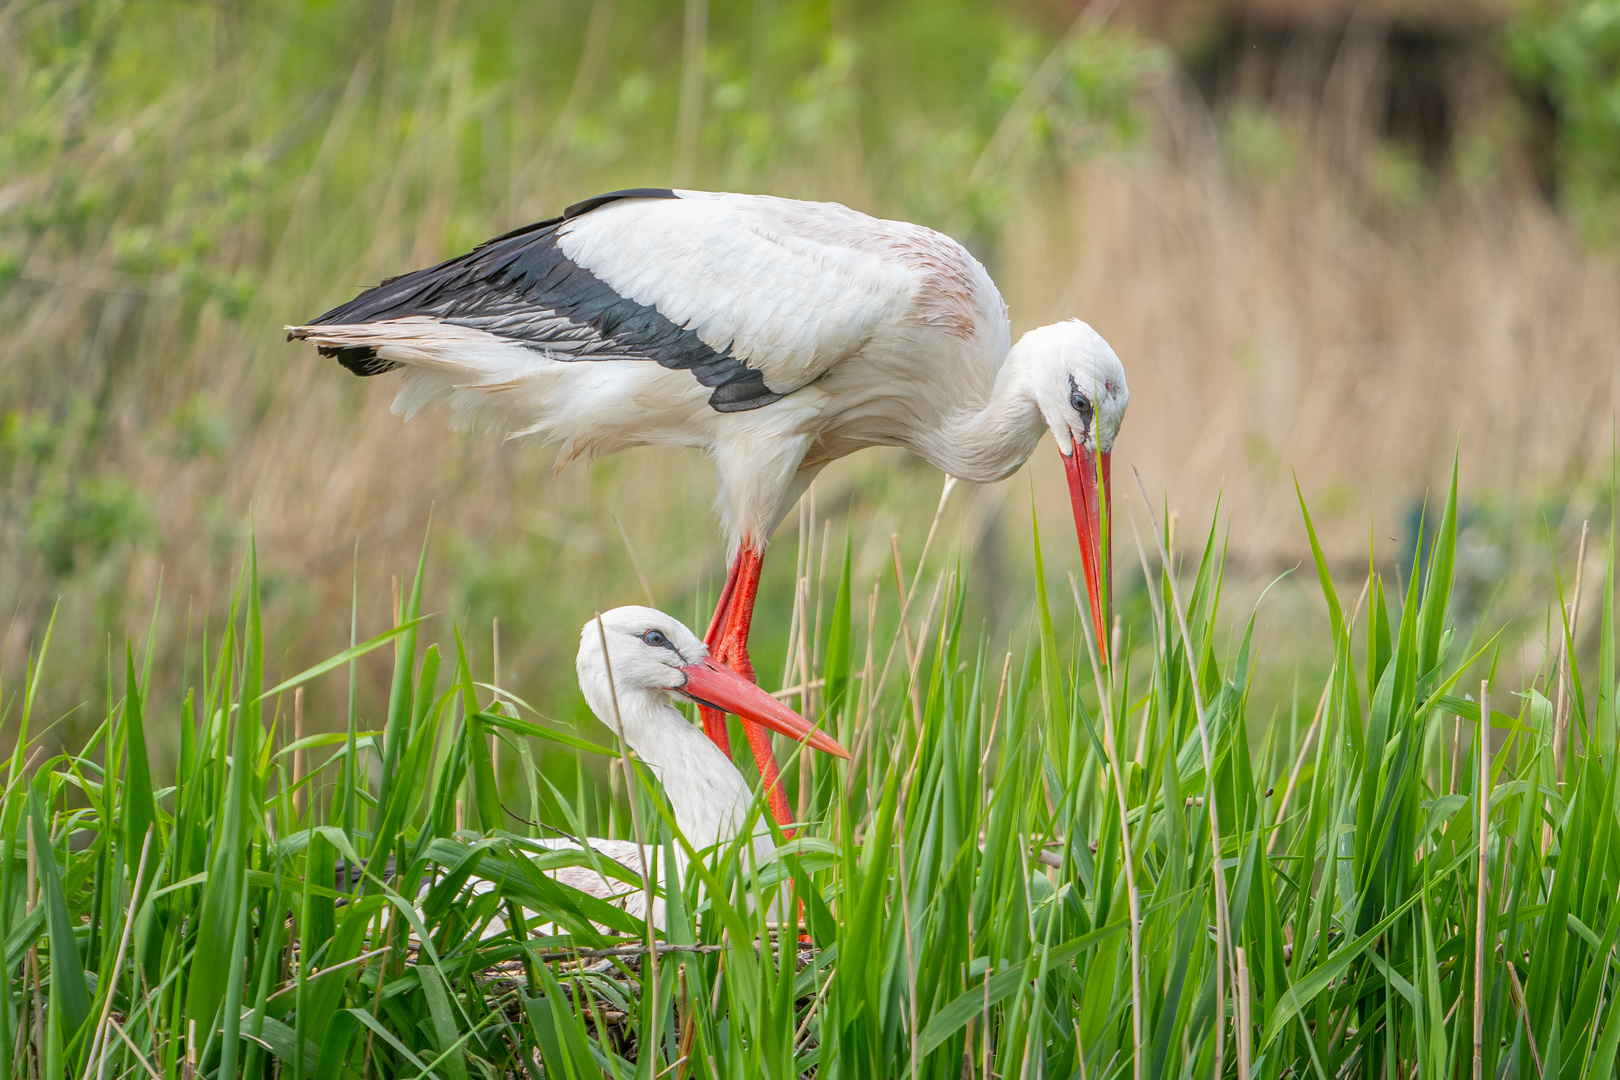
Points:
x=654, y=659
x=774, y=335
x=904, y=330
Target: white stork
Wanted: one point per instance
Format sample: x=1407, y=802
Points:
x=774, y=335
x=654, y=659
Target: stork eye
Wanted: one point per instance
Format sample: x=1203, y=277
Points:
x=657, y=640
x=1080, y=403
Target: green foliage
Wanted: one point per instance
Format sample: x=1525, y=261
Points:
x=1259, y=147
x=781, y=82
x=1570, y=52
x=199, y=427
x=83, y=520
x=70, y=520
x=1097, y=102
x=1033, y=874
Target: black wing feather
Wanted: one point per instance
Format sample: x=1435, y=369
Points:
x=520, y=283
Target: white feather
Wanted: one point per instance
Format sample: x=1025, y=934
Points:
x=711, y=801
x=792, y=305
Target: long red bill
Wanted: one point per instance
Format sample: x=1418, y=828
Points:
x=1092, y=509
x=708, y=683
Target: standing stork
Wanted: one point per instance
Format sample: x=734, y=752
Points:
x=773, y=334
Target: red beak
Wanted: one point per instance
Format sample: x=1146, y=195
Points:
x=708, y=683
x=1092, y=512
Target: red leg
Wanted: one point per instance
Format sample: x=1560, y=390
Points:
x=734, y=654
x=714, y=721
x=740, y=619
x=722, y=610
x=727, y=640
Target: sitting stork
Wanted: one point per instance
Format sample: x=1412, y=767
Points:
x=774, y=335
x=633, y=663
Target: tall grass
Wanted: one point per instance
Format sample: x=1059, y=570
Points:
x=1028, y=868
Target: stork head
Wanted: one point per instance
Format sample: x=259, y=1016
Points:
x=655, y=658
x=1079, y=386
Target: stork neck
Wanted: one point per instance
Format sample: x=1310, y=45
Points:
x=707, y=793
x=993, y=433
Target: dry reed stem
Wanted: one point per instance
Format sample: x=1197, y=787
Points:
x=1524, y=1013
x=20, y=1041
x=1243, y=1022
x=586, y=71
x=806, y=692
x=140, y=1057
x=1299, y=762
x=1456, y=752
x=689, y=117
x=817, y=683
x=905, y=912
x=985, y=1032
x=790, y=655
x=942, y=584
x=907, y=595
x=292, y=985
x=905, y=627
x=1223, y=914
x=821, y=580
x=1567, y=642
x=863, y=706
x=1115, y=643
x=1014, y=123
x=802, y=652
x=1563, y=639
x=1355, y=615
x=995, y=718
x=635, y=563
x=807, y=512
x=495, y=689
x=687, y=1023
x=100, y=1039
x=1133, y=895
x=33, y=957
x=810, y=1013
x=300, y=795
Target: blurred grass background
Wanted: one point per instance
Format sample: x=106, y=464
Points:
x=1330, y=242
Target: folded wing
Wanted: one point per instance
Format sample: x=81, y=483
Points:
x=753, y=307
